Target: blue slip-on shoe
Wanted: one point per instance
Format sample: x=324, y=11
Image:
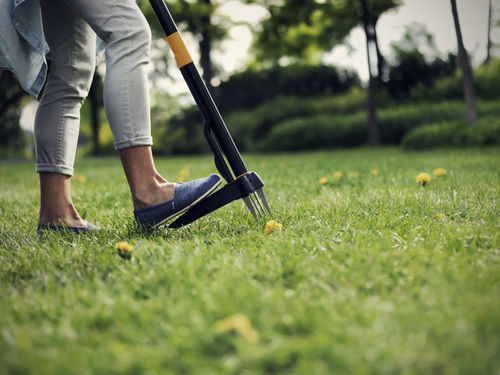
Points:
x=186, y=195
x=87, y=228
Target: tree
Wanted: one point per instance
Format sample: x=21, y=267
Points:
x=416, y=62
x=370, y=13
x=493, y=23
x=301, y=30
x=488, y=44
x=11, y=97
x=197, y=17
x=469, y=91
x=371, y=42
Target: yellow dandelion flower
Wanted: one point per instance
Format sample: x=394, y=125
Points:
x=323, y=180
x=282, y=166
x=353, y=175
x=337, y=175
x=240, y=324
x=423, y=178
x=273, y=226
x=374, y=172
x=438, y=172
x=124, y=246
x=80, y=178
x=124, y=249
x=183, y=173
x=441, y=216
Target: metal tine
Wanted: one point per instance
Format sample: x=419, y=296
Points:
x=262, y=196
x=256, y=204
x=249, y=204
x=259, y=206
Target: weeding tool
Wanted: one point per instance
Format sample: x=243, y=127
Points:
x=240, y=182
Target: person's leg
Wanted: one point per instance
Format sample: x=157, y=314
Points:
x=147, y=186
x=56, y=207
x=57, y=122
x=121, y=24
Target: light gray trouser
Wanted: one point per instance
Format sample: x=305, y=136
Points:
x=70, y=27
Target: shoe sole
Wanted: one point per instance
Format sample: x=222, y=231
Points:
x=88, y=228
x=208, y=192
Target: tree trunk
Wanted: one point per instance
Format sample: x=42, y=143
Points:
x=205, y=48
x=382, y=74
x=95, y=106
x=488, y=44
x=373, y=130
x=468, y=81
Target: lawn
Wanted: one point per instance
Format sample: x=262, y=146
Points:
x=372, y=273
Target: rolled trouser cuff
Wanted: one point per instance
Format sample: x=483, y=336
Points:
x=140, y=141
x=53, y=168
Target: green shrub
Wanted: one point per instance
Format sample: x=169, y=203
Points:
x=487, y=78
x=395, y=122
x=445, y=88
x=489, y=109
x=280, y=124
x=414, y=72
x=252, y=88
x=319, y=132
x=327, y=131
x=249, y=127
x=18, y=147
x=182, y=133
x=485, y=132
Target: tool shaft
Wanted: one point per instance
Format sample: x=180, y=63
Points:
x=200, y=92
x=211, y=114
x=240, y=182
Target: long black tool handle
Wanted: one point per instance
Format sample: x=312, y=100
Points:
x=199, y=90
x=220, y=162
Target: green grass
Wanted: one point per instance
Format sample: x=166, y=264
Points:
x=366, y=277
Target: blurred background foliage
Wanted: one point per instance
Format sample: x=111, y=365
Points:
x=286, y=98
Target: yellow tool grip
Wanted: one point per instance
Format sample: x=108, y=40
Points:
x=181, y=54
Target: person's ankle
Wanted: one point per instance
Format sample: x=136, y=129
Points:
x=71, y=219
x=152, y=196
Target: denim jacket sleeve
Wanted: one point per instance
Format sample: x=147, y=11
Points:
x=22, y=45
x=23, y=48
